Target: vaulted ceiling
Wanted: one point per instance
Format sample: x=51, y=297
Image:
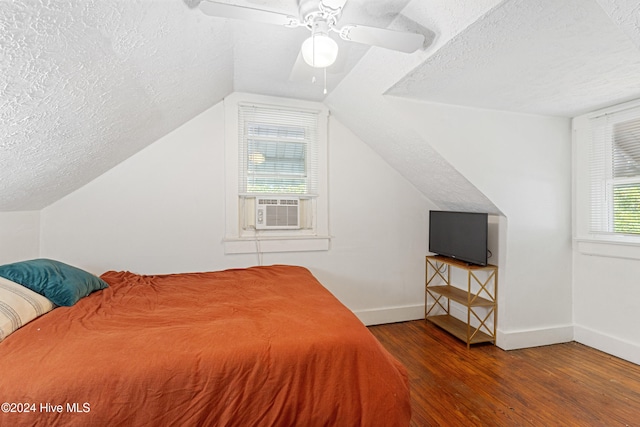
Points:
x=84, y=84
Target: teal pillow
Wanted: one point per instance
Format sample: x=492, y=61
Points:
x=63, y=284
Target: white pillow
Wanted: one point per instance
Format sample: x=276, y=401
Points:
x=19, y=306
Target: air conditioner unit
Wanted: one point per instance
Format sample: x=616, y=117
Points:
x=281, y=213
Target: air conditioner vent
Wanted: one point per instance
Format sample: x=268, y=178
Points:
x=274, y=214
x=267, y=201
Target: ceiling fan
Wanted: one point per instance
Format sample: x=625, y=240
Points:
x=321, y=18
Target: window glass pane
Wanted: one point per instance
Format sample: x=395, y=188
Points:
x=626, y=208
x=626, y=149
x=269, y=186
x=279, y=165
x=276, y=158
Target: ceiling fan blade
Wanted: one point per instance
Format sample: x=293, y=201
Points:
x=232, y=11
x=382, y=37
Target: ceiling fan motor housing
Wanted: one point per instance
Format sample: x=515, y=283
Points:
x=313, y=10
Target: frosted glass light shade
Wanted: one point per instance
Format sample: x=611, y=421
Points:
x=319, y=51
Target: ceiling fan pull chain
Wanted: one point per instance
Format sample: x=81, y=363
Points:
x=313, y=37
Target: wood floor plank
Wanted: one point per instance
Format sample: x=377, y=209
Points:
x=560, y=385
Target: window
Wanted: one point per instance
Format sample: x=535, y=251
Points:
x=278, y=151
x=615, y=173
x=276, y=175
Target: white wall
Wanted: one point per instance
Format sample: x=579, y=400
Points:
x=522, y=163
x=19, y=236
x=607, y=304
x=157, y=212
x=162, y=211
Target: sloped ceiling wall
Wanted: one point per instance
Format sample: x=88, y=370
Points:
x=87, y=83
x=390, y=134
x=558, y=58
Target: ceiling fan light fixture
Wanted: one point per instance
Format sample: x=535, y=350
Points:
x=319, y=50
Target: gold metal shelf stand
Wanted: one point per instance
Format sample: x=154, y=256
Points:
x=480, y=299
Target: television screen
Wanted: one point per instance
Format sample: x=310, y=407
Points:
x=460, y=235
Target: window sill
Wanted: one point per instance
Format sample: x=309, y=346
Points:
x=627, y=250
x=251, y=245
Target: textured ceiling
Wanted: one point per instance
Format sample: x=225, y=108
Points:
x=87, y=83
x=546, y=57
x=84, y=84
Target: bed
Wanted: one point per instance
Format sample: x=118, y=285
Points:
x=262, y=346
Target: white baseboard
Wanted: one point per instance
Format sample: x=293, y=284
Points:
x=533, y=338
x=378, y=316
x=513, y=340
x=614, y=346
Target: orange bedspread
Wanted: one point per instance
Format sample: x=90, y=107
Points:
x=264, y=346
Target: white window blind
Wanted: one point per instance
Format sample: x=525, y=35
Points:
x=278, y=151
x=615, y=173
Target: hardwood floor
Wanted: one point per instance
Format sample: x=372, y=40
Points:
x=559, y=385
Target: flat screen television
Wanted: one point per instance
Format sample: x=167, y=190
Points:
x=459, y=235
